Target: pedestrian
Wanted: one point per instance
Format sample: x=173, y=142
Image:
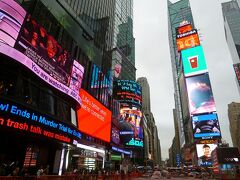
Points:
x=156, y=173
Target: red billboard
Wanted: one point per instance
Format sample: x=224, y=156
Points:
x=187, y=40
x=94, y=119
x=183, y=29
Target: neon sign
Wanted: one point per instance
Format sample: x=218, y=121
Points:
x=134, y=142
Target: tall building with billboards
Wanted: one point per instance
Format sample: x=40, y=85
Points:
x=55, y=83
x=200, y=121
x=123, y=59
x=178, y=12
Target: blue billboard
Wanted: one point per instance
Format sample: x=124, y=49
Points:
x=206, y=126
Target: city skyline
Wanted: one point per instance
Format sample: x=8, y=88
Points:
x=152, y=29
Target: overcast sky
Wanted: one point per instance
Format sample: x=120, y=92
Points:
x=153, y=61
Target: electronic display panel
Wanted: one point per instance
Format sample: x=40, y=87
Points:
x=193, y=61
x=187, y=40
x=206, y=126
x=11, y=19
x=131, y=132
x=94, y=119
x=115, y=135
x=27, y=42
x=204, y=154
x=128, y=91
x=200, y=96
x=184, y=29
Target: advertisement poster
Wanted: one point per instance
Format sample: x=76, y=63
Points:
x=200, y=94
x=204, y=154
x=131, y=132
x=94, y=119
x=206, y=126
x=193, y=61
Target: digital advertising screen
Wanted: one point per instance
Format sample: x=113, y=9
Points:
x=27, y=42
x=200, y=94
x=115, y=135
x=131, y=132
x=100, y=85
x=184, y=29
x=11, y=19
x=35, y=42
x=128, y=91
x=204, y=154
x=193, y=61
x=206, y=126
x=187, y=40
x=94, y=119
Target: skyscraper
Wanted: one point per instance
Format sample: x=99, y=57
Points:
x=231, y=13
x=146, y=107
x=178, y=12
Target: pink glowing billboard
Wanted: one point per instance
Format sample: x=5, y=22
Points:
x=37, y=50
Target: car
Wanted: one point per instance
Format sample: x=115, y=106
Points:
x=193, y=174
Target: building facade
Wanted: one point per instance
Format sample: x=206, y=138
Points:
x=178, y=12
x=56, y=75
x=234, y=119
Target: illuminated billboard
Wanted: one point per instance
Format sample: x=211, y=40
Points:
x=128, y=91
x=200, y=96
x=193, y=61
x=94, y=119
x=187, y=40
x=11, y=18
x=184, y=29
x=204, y=154
x=131, y=132
x=237, y=71
x=115, y=135
x=37, y=50
x=206, y=126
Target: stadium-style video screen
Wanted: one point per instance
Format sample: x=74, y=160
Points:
x=131, y=132
x=94, y=119
x=200, y=94
x=128, y=91
x=204, y=154
x=193, y=61
x=206, y=126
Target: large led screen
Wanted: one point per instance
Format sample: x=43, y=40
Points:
x=127, y=91
x=94, y=119
x=184, y=29
x=200, y=94
x=206, y=126
x=187, y=40
x=193, y=61
x=38, y=50
x=11, y=18
x=131, y=131
x=204, y=154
